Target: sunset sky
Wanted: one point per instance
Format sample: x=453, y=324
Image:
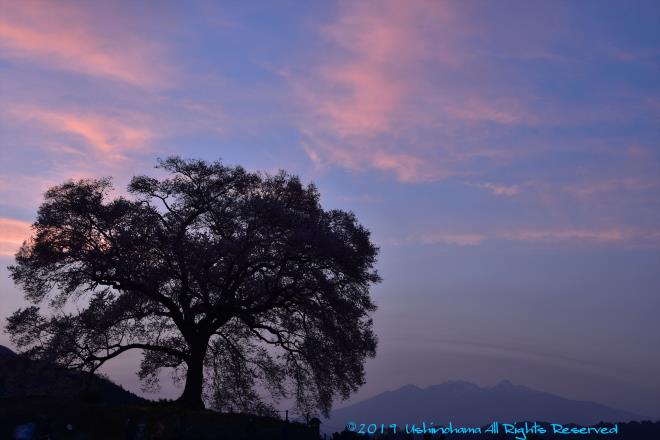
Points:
x=504, y=154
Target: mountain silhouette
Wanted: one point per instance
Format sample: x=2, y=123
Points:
x=23, y=377
x=467, y=404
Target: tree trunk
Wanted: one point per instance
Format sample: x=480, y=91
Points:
x=192, y=393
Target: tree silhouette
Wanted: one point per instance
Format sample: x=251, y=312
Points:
x=238, y=281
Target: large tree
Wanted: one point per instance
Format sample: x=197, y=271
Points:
x=239, y=282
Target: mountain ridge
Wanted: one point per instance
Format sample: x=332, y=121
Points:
x=465, y=403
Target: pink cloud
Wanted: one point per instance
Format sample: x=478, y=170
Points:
x=367, y=104
x=495, y=110
x=12, y=234
x=23, y=190
x=595, y=236
x=66, y=37
x=408, y=168
x=639, y=152
x=585, y=236
x=583, y=190
x=108, y=137
x=381, y=47
x=455, y=239
x=363, y=85
x=391, y=73
x=459, y=239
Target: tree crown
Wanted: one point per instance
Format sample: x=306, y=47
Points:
x=242, y=278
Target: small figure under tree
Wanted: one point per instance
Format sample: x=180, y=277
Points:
x=240, y=282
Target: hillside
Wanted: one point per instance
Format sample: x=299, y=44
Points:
x=48, y=396
x=109, y=422
x=22, y=377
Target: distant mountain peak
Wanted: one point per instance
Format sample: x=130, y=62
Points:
x=505, y=384
x=467, y=403
x=452, y=386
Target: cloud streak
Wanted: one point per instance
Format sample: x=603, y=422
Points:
x=108, y=138
x=499, y=189
x=583, y=190
x=647, y=238
x=393, y=72
x=66, y=37
x=12, y=234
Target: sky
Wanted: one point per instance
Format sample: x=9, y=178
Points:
x=505, y=156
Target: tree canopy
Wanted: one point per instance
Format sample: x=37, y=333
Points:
x=240, y=282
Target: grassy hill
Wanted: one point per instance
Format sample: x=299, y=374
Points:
x=108, y=422
x=22, y=377
x=49, y=396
